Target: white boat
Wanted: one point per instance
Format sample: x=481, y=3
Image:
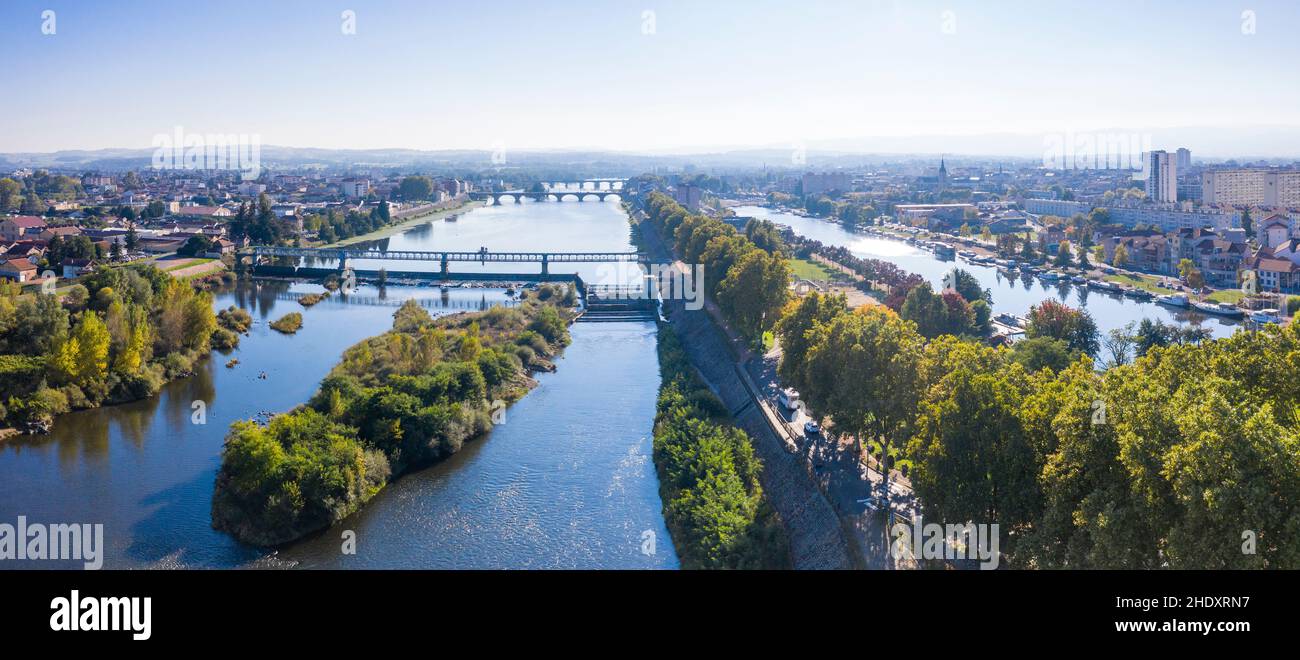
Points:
x=1263, y=316
x=1221, y=309
x=1051, y=276
x=1173, y=300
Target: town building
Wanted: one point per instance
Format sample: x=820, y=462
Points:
x=353, y=188
x=18, y=270
x=1162, y=177
x=18, y=227
x=1274, y=188
x=820, y=184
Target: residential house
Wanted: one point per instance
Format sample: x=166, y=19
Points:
x=205, y=211
x=1275, y=275
x=18, y=227
x=18, y=270
x=1148, y=250
x=64, y=233
x=220, y=248
x=1219, y=256
x=1274, y=230
x=73, y=268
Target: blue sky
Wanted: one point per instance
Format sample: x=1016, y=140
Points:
x=439, y=75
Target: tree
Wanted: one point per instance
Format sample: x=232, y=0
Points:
x=10, y=194
x=1040, y=353
x=946, y=313
x=195, y=246
x=973, y=461
x=795, y=331
x=1247, y=223
x=754, y=291
x=91, y=336
x=1119, y=344
x=1063, y=257
x=1075, y=327
x=966, y=284
x=863, y=371
x=415, y=188
x=1120, y=258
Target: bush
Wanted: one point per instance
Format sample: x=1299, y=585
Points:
x=288, y=324
x=235, y=319
x=708, y=474
x=549, y=325
x=224, y=340
x=178, y=364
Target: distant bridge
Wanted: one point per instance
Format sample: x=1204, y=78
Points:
x=599, y=188
x=344, y=254
x=559, y=195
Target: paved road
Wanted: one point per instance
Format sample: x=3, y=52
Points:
x=846, y=481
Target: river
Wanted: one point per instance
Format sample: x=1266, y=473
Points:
x=567, y=480
x=1011, y=295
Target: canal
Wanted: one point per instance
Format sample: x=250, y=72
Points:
x=1010, y=295
x=567, y=480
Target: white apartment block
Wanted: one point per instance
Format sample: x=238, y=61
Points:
x=1162, y=177
x=1168, y=217
x=816, y=184
x=354, y=188
x=1252, y=187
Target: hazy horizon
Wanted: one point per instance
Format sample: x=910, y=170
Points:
x=666, y=78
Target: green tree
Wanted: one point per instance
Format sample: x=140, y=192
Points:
x=754, y=291
x=1075, y=327
x=414, y=188
x=1120, y=258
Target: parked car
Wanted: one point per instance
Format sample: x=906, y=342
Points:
x=811, y=428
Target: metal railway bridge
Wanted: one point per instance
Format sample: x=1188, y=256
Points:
x=343, y=255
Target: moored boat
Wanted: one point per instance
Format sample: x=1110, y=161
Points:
x=1263, y=316
x=1220, y=309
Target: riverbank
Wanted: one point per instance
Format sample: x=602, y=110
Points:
x=401, y=400
x=815, y=536
x=406, y=223
x=130, y=332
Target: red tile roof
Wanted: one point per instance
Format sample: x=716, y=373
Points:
x=26, y=221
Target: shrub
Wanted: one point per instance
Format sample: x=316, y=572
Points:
x=224, y=340
x=234, y=319
x=288, y=324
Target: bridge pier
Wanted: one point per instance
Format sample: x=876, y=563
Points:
x=496, y=200
x=546, y=265
x=445, y=270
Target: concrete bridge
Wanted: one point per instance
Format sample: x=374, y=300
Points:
x=344, y=254
x=559, y=190
x=558, y=195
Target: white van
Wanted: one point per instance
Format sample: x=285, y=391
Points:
x=789, y=398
